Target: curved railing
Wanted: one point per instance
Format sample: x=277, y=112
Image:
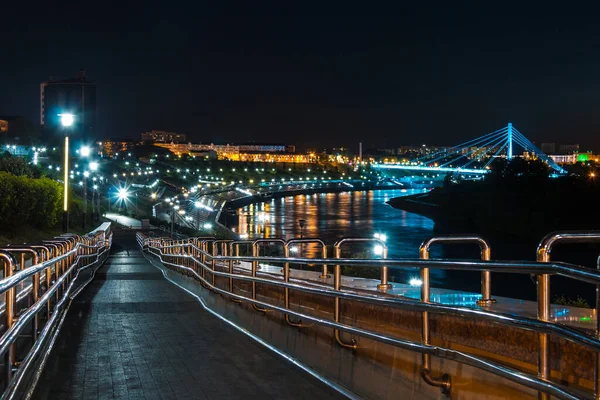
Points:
x=39, y=282
x=193, y=257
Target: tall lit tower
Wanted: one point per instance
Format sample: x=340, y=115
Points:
x=509, y=152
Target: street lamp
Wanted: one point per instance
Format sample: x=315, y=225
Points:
x=84, y=151
x=197, y=204
x=66, y=120
x=174, y=207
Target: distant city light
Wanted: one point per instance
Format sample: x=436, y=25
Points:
x=207, y=226
x=84, y=151
x=293, y=249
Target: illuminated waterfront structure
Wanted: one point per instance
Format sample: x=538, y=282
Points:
x=242, y=152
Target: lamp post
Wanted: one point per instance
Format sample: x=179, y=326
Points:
x=95, y=187
x=173, y=209
x=66, y=120
x=83, y=153
x=197, y=204
x=86, y=174
x=93, y=167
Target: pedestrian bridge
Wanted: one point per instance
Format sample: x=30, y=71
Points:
x=125, y=315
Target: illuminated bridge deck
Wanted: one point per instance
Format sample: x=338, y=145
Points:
x=132, y=334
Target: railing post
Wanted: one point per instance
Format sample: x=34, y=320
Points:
x=325, y=274
x=543, y=296
x=9, y=266
x=337, y=284
x=444, y=382
x=486, y=277
x=286, y=279
x=384, y=285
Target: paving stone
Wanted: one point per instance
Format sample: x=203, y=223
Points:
x=131, y=334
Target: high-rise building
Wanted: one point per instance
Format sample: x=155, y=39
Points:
x=568, y=148
x=76, y=96
x=548, y=148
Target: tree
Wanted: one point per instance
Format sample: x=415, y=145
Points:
x=17, y=166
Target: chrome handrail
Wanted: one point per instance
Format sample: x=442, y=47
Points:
x=537, y=325
x=72, y=254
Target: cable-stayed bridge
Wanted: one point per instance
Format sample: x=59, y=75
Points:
x=475, y=156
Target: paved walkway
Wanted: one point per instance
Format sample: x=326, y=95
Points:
x=132, y=334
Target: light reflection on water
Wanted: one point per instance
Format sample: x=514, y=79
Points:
x=332, y=216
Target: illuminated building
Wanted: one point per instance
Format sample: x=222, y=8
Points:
x=575, y=157
x=239, y=152
x=111, y=147
x=163, y=137
x=568, y=148
x=76, y=96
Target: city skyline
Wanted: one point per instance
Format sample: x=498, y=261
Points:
x=405, y=75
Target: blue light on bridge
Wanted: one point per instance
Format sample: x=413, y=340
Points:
x=425, y=168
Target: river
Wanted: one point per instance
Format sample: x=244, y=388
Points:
x=332, y=216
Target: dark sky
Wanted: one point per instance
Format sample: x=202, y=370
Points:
x=316, y=74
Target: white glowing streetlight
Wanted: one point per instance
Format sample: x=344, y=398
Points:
x=123, y=194
x=93, y=166
x=85, y=151
x=66, y=120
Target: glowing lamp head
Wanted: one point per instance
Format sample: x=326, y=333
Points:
x=66, y=120
x=93, y=166
x=378, y=250
x=84, y=151
x=123, y=194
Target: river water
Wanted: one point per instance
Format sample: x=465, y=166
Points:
x=332, y=216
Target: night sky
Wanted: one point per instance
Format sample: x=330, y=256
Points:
x=316, y=75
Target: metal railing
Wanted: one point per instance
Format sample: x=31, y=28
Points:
x=187, y=257
x=39, y=282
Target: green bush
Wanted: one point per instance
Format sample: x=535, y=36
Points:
x=28, y=202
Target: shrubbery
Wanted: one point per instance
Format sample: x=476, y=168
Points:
x=28, y=201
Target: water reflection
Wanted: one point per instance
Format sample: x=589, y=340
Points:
x=332, y=216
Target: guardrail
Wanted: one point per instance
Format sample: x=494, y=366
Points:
x=39, y=282
x=189, y=258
